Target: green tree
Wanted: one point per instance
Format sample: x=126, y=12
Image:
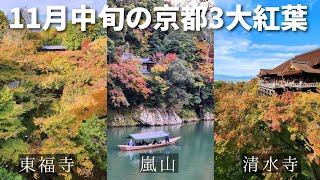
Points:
x=175, y=42
x=4, y=23
x=10, y=150
x=10, y=122
x=171, y=87
x=74, y=36
x=51, y=37
x=180, y=43
x=93, y=136
x=7, y=175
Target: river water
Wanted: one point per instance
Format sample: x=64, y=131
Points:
x=195, y=150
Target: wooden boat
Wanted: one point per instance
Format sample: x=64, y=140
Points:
x=150, y=146
x=146, y=136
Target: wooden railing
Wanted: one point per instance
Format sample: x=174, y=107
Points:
x=283, y=85
x=270, y=85
x=302, y=85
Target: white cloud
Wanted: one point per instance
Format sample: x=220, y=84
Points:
x=284, y=47
x=230, y=45
x=238, y=56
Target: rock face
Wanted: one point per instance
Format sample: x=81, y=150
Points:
x=159, y=117
x=152, y=117
x=121, y=121
x=207, y=116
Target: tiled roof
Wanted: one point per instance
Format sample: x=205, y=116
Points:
x=127, y=55
x=312, y=57
x=147, y=61
x=14, y=84
x=300, y=67
x=264, y=72
x=60, y=47
x=303, y=62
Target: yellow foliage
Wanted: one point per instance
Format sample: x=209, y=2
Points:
x=85, y=165
x=159, y=68
x=163, y=86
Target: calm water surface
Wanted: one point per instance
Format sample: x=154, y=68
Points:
x=195, y=149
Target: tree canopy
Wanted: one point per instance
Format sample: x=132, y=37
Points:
x=53, y=102
x=181, y=78
x=249, y=124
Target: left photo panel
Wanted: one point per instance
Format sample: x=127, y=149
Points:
x=52, y=90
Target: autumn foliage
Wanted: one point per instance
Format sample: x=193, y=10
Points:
x=248, y=123
x=125, y=74
x=59, y=103
x=180, y=77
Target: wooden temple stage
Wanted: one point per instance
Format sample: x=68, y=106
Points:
x=269, y=89
x=301, y=73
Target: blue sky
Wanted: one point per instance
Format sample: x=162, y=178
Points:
x=242, y=53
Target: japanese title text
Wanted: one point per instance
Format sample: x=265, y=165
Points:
x=192, y=18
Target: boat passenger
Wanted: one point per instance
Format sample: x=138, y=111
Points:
x=130, y=143
x=155, y=141
x=143, y=142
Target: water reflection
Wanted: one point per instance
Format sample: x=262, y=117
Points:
x=195, y=149
x=135, y=154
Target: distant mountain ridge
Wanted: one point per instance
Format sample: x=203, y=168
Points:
x=220, y=77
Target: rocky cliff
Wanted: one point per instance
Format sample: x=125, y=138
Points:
x=159, y=117
x=207, y=116
x=151, y=117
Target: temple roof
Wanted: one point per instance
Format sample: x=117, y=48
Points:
x=301, y=63
x=299, y=67
x=58, y=47
x=127, y=56
x=14, y=84
x=147, y=61
x=312, y=57
x=264, y=72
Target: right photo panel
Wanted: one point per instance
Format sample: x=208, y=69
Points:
x=266, y=90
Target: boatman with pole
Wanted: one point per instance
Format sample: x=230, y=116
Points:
x=167, y=137
x=130, y=142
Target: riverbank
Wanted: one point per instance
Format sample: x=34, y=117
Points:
x=142, y=116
